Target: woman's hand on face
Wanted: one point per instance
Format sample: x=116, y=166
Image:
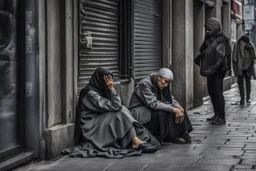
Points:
x=109, y=82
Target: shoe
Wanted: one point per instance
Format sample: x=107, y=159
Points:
x=179, y=141
x=212, y=118
x=188, y=140
x=242, y=102
x=248, y=100
x=147, y=148
x=219, y=121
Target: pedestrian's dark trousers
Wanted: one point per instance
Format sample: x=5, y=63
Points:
x=240, y=82
x=215, y=90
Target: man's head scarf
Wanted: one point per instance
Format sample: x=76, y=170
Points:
x=165, y=73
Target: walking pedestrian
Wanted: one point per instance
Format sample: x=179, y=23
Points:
x=243, y=66
x=212, y=61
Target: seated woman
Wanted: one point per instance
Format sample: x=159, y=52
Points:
x=104, y=127
x=153, y=105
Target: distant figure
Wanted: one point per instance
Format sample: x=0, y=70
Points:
x=104, y=127
x=212, y=61
x=153, y=105
x=243, y=66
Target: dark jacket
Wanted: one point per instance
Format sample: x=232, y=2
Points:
x=214, y=51
x=238, y=55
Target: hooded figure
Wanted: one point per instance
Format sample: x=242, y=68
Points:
x=215, y=49
x=243, y=65
x=104, y=127
x=153, y=105
x=212, y=61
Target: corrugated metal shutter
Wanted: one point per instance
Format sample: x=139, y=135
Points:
x=147, y=37
x=101, y=18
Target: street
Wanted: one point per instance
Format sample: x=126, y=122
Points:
x=230, y=147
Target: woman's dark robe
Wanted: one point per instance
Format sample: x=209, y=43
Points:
x=147, y=100
x=106, y=127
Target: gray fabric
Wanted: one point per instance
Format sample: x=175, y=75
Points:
x=107, y=128
x=214, y=25
x=246, y=59
x=165, y=73
x=96, y=103
x=238, y=56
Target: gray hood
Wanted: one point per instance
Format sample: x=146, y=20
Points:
x=214, y=25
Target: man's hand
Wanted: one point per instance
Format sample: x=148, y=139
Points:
x=179, y=115
x=109, y=82
x=179, y=107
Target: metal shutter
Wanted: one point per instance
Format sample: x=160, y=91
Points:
x=101, y=18
x=147, y=37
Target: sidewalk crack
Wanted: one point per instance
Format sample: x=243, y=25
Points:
x=146, y=165
x=108, y=166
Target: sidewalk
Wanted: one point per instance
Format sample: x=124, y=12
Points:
x=231, y=147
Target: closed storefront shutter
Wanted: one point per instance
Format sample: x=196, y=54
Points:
x=147, y=37
x=99, y=19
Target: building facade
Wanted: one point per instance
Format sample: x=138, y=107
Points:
x=65, y=40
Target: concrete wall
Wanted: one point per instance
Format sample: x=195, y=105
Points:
x=42, y=77
x=53, y=62
x=167, y=33
x=183, y=51
x=57, y=46
x=226, y=18
x=199, y=20
x=126, y=90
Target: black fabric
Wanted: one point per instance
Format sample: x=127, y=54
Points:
x=240, y=82
x=163, y=125
x=214, y=51
x=208, y=35
x=245, y=38
x=154, y=124
x=247, y=46
x=215, y=90
x=214, y=54
x=97, y=82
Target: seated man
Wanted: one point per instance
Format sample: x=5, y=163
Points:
x=104, y=127
x=153, y=105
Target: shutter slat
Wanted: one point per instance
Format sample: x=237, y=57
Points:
x=101, y=18
x=147, y=37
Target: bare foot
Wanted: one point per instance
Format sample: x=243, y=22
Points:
x=136, y=142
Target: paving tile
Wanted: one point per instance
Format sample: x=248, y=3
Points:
x=244, y=170
x=243, y=166
x=216, y=161
x=249, y=161
x=209, y=168
x=222, y=153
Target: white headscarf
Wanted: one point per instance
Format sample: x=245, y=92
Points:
x=165, y=73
